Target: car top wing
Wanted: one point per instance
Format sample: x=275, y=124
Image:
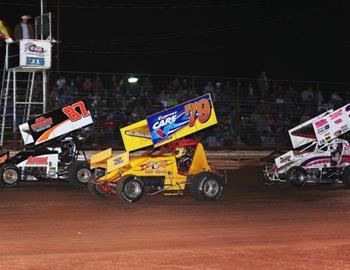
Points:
x=171, y=124
x=56, y=123
x=332, y=125
x=136, y=136
x=322, y=128
x=304, y=133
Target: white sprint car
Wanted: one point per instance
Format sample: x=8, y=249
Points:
x=325, y=157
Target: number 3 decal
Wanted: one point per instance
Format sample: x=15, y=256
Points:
x=202, y=108
x=73, y=114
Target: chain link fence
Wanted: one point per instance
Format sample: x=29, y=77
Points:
x=252, y=113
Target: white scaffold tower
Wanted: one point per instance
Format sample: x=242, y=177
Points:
x=24, y=82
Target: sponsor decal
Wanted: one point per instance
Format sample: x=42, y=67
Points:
x=321, y=123
x=37, y=161
x=285, y=159
x=338, y=121
x=118, y=160
x=337, y=133
x=137, y=134
x=32, y=48
x=336, y=114
x=37, y=61
x=41, y=124
x=155, y=166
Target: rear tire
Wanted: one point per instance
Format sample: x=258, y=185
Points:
x=130, y=188
x=10, y=175
x=297, y=176
x=79, y=174
x=206, y=186
x=346, y=177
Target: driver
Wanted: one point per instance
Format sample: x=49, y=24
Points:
x=335, y=149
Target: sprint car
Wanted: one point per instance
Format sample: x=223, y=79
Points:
x=329, y=164
x=168, y=166
x=325, y=157
x=51, y=149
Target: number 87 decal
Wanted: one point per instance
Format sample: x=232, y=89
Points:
x=73, y=114
x=202, y=108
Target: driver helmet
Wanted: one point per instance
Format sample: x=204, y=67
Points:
x=180, y=152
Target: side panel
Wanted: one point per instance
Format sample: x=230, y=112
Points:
x=284, y=159
x=304, y=133
x=199, y=161
x=98, y=160
x=117, y=162
x=48, y=162
x=136, y=136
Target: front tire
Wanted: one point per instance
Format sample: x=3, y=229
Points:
x=266, y=175
x=79, y=174
x=130, y=188
x=10, y=175
x=206, y=186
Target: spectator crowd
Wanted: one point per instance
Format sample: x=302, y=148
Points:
x=251, y=113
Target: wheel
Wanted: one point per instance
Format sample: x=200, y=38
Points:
x=297, y=176
x=10, y=175
x=346, y=177
x=130, y=188
x=99, y=190
x=266, y=175
x=79, y=174
x=206, y=186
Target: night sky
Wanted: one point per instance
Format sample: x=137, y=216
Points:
x=302, y=40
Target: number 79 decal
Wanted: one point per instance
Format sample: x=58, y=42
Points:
x=201, y=109
x=73, y=114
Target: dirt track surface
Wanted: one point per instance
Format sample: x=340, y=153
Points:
x=55, y=226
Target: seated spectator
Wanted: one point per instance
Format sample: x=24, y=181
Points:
x=209, y=88
x=109, y=128
x=147, y=88
x=174, y=85
x=163, y=99
x=171, y=100
x=88, y=86
x=263, y=84
x=319, y=100
x=279, y=101
x=307, y=94
x=336, y=100
x=60, y=82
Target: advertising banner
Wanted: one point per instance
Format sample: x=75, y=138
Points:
x=35, y=53
x=181, y=120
